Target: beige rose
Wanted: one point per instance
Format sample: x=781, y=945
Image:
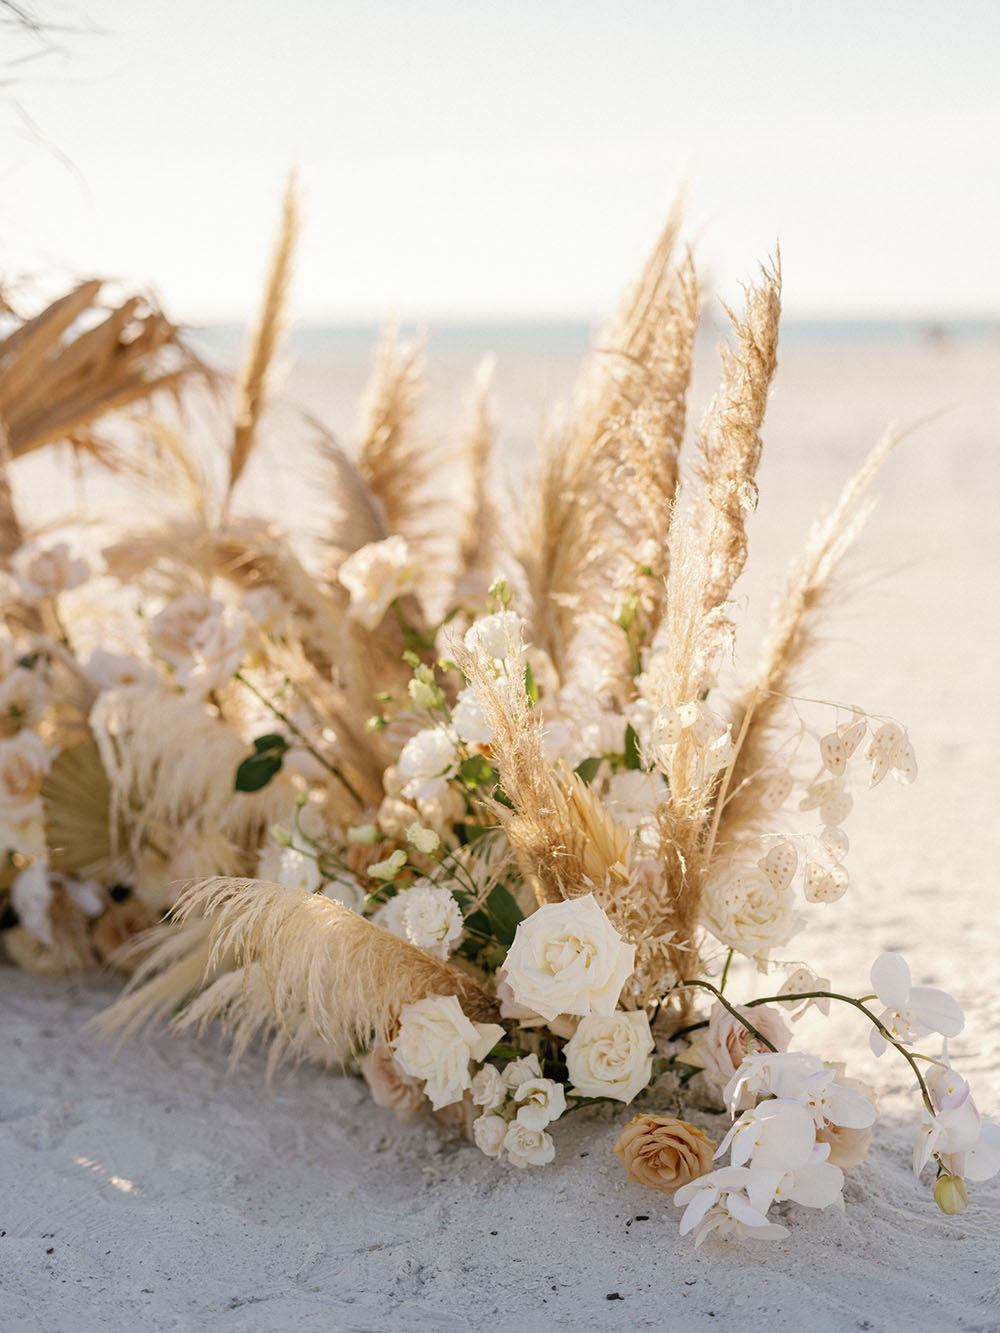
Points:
x=663, y=1153
x=172, y=633
x=725, y=1043
x=388, y=1085
x=52, y=571
x=746, y=911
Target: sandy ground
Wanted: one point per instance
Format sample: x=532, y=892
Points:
x=159, y=1193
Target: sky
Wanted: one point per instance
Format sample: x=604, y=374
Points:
x=474, y=160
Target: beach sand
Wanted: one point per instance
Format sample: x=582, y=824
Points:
x=159, y=1192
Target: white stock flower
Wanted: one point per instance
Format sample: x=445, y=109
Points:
x=468, y=717
x=488, y=1089
x=540, y=1101
x=611, y=1056
x=495, y=635
x=375, y=575
x=345, y=890
x=391, y=915
x=528, y=1147
x=567, y=958
x=24, y=762
x=488, y=1133
x=426, y=762
x=48, y=572
x=31, y=898
x=298, y=871
x=747, y=911
x=436, y=1042
x=910, y=1012
x=432, y=918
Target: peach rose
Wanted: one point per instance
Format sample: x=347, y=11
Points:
x=723, y=1046
x=388, y=1085
x=663, y=1153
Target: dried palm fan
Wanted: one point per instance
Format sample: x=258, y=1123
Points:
x=78, y=360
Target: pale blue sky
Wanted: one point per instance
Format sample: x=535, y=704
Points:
x=486, y=160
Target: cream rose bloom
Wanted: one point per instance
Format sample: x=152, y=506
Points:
x=723, y=1046
x=22, y=700
x=436, y=1042
x=540, y=1101
x=747, y=912
x=567, y=958
x=488, y=1090
x=611, y=1057
x=389, y=1085
x=173, y=631
x=375, y=575
x=488, y=1134
x=663, y=1153
x=528, y=1147
x=24, y=761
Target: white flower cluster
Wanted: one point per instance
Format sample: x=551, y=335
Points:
x=517, y=1104
x=775, y=1149
x=427, y=915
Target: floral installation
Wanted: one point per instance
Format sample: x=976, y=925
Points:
x=456, y=797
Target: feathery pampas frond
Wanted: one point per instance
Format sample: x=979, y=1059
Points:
x=267, y=334
x=477, y=546
x=789, y=639
x=395, y=465
x=313, y=974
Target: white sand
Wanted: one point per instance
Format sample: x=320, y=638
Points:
x=158, y=1193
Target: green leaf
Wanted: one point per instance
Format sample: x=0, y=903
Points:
x=586, y=769
x=504, y=914
x=257, y=770
x=501, y=797
x=530, y=684
x=476, y=771
x=633, y=760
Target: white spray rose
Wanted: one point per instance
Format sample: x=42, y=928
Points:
x=436, y=1042
x=567, y=958
x=748, y=912
x=488, y=1089
x=541, y=1100
x=375, y=576
x=492, y=636
x=426, y=763
x=611, y=1057
x=31, y=898
x=528, y=1147
x=432, y=918
x=24, y=761
x=519, y=1071
x=489, y=1132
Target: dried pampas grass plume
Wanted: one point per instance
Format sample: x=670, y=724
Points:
x=267, y=334
x=308, y=971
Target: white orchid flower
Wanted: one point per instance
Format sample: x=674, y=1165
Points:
x=956, y=1127
x=910, y=1011
x=778, y=1135
x=815, y=1184
x=715, y=1203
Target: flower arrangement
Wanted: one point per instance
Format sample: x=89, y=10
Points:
x=460, y=799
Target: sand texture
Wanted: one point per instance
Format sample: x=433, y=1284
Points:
x=160, y=1192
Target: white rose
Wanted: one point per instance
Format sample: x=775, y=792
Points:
x=50, y=572
x=298, y=871
x=541, y=1101
x=519, y=1071
x=426, y=762
x=172, y=632
x=24, y=761
x=433, y=919
x=492, y=636
x=22, y=700
x=611, y=1057
x=31, y=897
x=9, y=653
x=567, y=958
x=110, y=671
x=436, y=1043
x=375, y=576
x=746, y=911
x=489, y=1132
x=217, y=651
x=26, y=837
x=488, y=1090
x=528, y=1147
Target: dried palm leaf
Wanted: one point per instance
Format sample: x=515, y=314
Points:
x=76, y=797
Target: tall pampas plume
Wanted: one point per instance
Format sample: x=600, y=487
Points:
x=331, y=978
x=252, y=389
x=790, y=637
